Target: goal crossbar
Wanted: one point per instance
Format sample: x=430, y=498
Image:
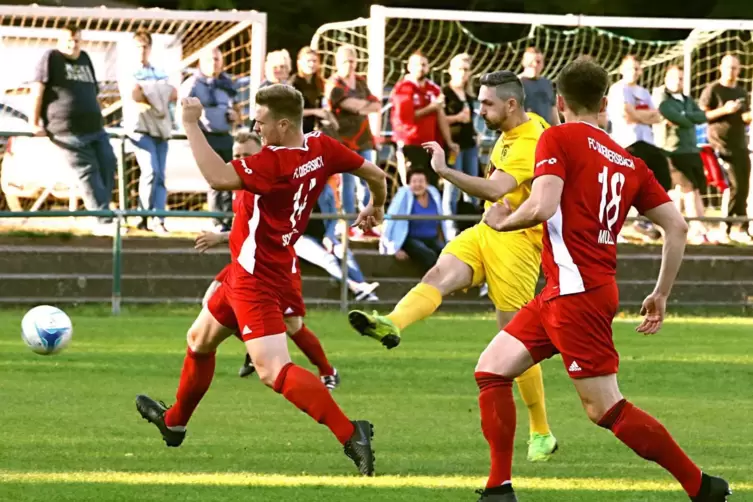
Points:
x=140, y=14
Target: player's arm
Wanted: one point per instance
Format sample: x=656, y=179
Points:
x=541, y=205
x=208, y=240
x=675, y=228
x=376, y=180
x=219, y=175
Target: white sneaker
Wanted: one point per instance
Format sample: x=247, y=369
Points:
x=364, y=289
x=484, y=291
x=107, y=230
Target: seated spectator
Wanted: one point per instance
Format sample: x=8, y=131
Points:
x=420, y=240
x=418, y=117
x=677, y=136
x=319, y=246
x=146, y=96
x=309, y=81
x=458, y=107
x=65, y=108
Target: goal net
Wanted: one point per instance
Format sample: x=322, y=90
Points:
x=394, y=34
x=178, y=39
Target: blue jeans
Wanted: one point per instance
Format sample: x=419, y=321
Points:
x=92, y=158
x=349, y=188
x=425, y=252
x=466, y=162
x=151, y=155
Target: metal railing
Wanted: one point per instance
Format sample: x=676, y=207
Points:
x=119, y=219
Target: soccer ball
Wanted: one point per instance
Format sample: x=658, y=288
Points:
x=46, y=330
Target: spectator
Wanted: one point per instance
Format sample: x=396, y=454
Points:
x=459, y=104
x=349, y=98
x=65, y=108
x=309, y=81
x=146, y=96
x=418, y=117
x=277, y=68
x=319, y=246
x=728, y=112
x=632, y=115
x=420, y=240
x=217, y=93
x=677, y=136
x=539, y=91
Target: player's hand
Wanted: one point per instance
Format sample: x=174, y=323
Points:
x=369, y=218
x=653, y=309
x=497, y=214
x=732, y=106
x=438, y=160
x=207, y=240
x=191, y=110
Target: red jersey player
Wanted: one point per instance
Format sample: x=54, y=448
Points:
x=281, y=184
x=584, y=185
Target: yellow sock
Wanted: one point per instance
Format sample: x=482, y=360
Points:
x=531, y=387
x=418, y=304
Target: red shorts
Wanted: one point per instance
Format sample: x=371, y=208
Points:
x=577, y=326
x=223, y=273
x=258, y=313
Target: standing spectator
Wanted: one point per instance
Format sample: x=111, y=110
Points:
x=146, y=96
x=459, y=104
x=420, y=240
x=277, y=68
x=728, y=112
x=309, y=81
x=65, y=108
x=632, y=114
x=677, y=136
x=418, y=117
x=217, y=93
x=349, y=98
x=539, y=91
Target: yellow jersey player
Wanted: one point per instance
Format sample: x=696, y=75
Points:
x=508, y=262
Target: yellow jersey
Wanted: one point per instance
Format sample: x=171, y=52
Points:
x=514, y=153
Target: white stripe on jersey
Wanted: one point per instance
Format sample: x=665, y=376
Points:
x=247, y=256
x=570, y=280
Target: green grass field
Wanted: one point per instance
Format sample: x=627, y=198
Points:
x=69, y=430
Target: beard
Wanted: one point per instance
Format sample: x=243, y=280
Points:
x=494, y=126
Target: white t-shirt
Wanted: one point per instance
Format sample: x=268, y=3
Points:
x=626, y=134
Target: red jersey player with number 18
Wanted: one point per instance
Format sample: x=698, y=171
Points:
x=584, y=184
x=280, y=187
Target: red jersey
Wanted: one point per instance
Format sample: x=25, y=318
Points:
x=407, y=97
x=280, y=187
x=602, y=180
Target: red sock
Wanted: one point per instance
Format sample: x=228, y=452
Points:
x=309, y=395
x=195, y=378
x=498, y=424
x=650, y=440
x=309, y=344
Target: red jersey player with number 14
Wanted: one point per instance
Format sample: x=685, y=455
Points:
x=280, y=185
x=584, y=184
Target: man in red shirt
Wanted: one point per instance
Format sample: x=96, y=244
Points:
x=418, y=117
x=584, y=185
x=281, y=184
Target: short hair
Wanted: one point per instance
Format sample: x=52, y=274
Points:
x=416, y=172
x=143, y=36
x=631, y=57
x=506, y=85
x=246, y=136
x=72, y=28
x=582, y=84
x=674, y=67
x=346, y=48
x=283, y=101
x=533, y=50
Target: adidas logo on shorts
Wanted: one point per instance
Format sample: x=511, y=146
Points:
x=574, y=367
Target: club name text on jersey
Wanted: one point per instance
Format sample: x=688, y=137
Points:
x=309, y=167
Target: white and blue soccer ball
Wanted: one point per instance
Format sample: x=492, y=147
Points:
x=46, y=330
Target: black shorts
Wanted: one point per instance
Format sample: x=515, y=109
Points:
x=691, y=166
x=655, y=159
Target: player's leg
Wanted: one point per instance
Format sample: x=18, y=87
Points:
x=247, y=368
x=204, y=336
x=458, y=267
x=510, y=354
x=646, y=436
x=304, y=390
x=308, y=343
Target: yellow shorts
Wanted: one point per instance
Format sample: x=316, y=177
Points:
x=508, y=261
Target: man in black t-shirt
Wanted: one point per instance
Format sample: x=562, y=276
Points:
x=727, y=108
x=65, y=108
